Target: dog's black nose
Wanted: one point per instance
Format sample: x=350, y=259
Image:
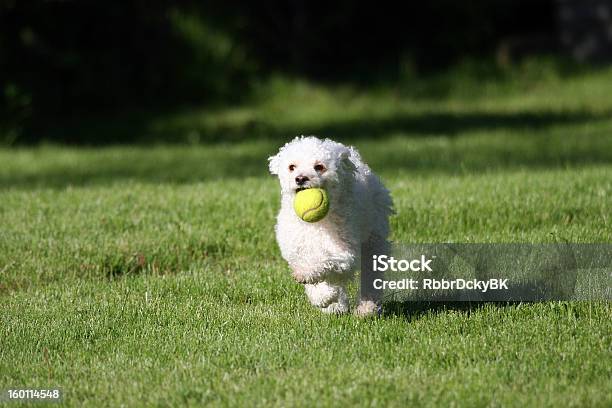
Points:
x=301, y=180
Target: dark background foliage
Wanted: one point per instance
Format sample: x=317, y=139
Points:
x=61, y=59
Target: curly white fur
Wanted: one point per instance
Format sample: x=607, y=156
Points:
x=325, y=254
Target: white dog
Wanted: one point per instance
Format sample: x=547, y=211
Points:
x=325, y=254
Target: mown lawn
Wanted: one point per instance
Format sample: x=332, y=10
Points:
x=149, y=275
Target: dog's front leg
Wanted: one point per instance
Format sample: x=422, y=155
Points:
x=317, y=273
x=305, y=275
x=321, y=294
x=328, y=297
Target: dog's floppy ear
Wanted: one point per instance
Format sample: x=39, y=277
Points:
x=346, y=164
x=274, y=163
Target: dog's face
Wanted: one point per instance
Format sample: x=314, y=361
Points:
x=310, y=163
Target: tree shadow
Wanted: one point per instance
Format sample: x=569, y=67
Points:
x=451, y=123
x=386, y=144
x=143, y=128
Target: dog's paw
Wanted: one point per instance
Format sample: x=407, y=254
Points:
x=321, y=294
x=336, y=308
x=339, y=305
x=367, y=308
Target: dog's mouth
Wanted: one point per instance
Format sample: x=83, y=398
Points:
x=297, y=190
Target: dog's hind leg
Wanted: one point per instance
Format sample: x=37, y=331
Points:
x=370, y=298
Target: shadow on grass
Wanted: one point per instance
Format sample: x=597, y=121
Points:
x=138, y=128
x=444, y=123
x=389, y=145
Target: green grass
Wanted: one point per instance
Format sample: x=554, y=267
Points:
x=150, y=276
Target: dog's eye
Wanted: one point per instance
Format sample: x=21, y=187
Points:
x=319, y=167
x=291, y=167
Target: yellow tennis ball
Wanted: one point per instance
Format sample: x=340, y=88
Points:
x=311, y=204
